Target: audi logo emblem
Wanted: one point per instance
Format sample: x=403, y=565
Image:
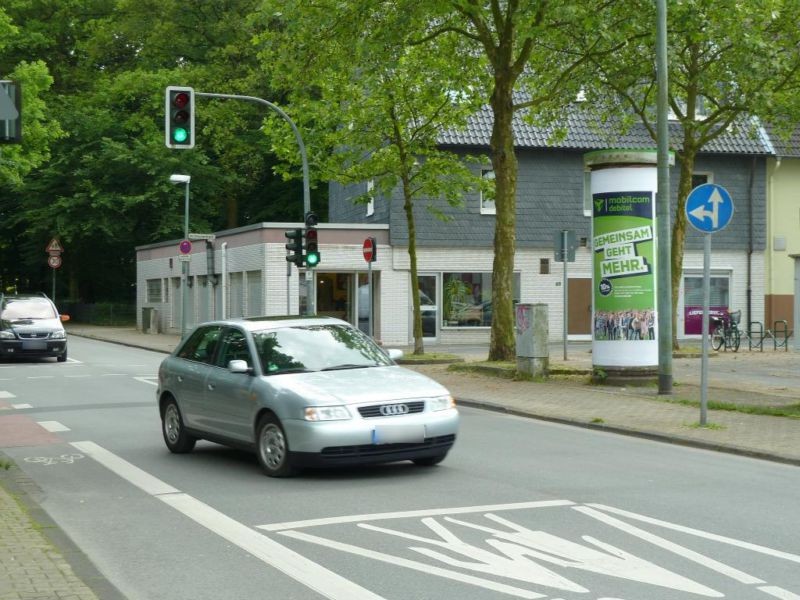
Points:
x=390, y=410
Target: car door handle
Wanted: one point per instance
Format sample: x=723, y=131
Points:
x=180, y=379
x=210, y=387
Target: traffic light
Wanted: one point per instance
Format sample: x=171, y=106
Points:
x=313, y=256
x=179, y=117
x=295, y=246
x=10, y=112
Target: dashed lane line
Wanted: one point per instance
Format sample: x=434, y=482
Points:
x=53, y=426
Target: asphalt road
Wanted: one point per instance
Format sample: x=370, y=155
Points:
x=520, y=509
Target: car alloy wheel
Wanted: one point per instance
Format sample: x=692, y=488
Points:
x=175, y=436
x=273, y=450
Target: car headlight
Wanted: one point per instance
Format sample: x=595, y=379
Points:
x=58, y=335
x=442, y=403
x=7, y=335
x=326, y=413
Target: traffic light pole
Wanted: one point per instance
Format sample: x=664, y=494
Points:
x=310, y=288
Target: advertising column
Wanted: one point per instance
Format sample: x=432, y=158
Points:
x=623, y=191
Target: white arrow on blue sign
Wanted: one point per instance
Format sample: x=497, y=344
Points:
x=709, y=208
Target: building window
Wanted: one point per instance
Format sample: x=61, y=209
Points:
x=371, y=194
x=154, y=290
x=487, y=192
x=467, y=299
x=701, y=178
x=544, y=266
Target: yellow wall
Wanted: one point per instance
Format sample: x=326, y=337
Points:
x=783, y=219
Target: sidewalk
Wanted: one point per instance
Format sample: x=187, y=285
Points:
x=38, y=562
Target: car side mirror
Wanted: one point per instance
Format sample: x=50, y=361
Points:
x=395, y=353
x=238, y=366
x=64, y=318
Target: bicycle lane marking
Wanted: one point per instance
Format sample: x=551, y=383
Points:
x=21, y=430
x=323, y=581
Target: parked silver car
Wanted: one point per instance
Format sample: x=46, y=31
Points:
x=301, y=391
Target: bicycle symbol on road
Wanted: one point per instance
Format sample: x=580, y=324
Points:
x=66, y=459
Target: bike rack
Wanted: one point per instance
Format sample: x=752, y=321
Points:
x=751, y=329
x=780, y=328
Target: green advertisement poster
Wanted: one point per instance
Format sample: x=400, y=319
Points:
x=624, y=261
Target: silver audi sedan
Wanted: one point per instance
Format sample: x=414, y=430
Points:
x=301, y=392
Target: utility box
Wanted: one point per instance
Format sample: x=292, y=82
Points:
x=150, y=320
x=532, y=333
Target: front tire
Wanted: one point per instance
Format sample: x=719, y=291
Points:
x=272, y=447
x=736, y=340
x=62, y=357
x=175, y=436
x=718, y=337
x=429, y=461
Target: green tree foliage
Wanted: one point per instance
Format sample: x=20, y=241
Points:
x=729, y=62
x=531, y=71
x=372, y=103
x=93, y=169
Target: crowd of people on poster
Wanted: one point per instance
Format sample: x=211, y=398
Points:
x=625, y=325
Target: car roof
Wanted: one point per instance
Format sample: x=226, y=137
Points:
x=277, y=322
x=14, y=297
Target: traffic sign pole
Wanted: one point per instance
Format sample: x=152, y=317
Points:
x=709, y=208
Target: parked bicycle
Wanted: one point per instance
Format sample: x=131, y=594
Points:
x=725, y=331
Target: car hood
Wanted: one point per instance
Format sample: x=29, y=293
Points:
x=357, y=386
x=32, y=325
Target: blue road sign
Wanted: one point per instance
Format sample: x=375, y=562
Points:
x=709, y=208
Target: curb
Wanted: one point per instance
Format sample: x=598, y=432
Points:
x=648, y=435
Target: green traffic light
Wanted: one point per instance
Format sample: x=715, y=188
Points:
x=180, y=134
x=312, y=259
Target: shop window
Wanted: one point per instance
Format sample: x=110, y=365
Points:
x=467, y=299
x=693, y=301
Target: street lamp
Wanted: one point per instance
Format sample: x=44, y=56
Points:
x=184, y=263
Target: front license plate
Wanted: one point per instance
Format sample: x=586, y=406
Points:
x=35, y=345
x=398, y=434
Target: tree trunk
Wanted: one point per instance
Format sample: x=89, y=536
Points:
x=231, y=212
x=504, y=163
x=408, y=206
x=679, y=233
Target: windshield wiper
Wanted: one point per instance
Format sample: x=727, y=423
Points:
x=292, y=370
x=347, y=366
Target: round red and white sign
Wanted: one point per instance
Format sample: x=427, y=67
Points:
x=185, y=247
x=369, y=249
x=54, y=260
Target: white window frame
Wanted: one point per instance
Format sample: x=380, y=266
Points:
x=155, y=293
x=370, y=192
x=487, y=204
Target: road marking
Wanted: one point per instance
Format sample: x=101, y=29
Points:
x=4, y=394
x=47, y=461
x=779, y=593
x=412, y=514
x=76, y=376
x=415, y=565
x=315, y=576
x=53, y=426
x=150, y=380
x=112, y=375
x=21, y=406
x=698, y=533
x=40, y=376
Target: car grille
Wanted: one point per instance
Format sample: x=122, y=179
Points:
x=34, y=335
x=374, y=410
x=333, y=453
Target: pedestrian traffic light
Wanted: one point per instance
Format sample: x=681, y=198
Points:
x=313, y=256
x=295, y=246
x=179, y=117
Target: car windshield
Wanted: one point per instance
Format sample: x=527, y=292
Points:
x=28, y=309
x=316, y=348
